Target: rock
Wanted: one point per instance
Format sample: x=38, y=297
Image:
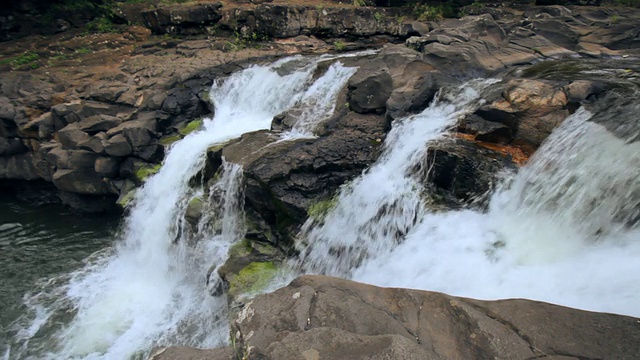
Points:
x=91, y=204
x=96, y=143
x=11, y=146
x=181, y=19
x=77, y=110
x=98, y=123
x=71, y=135
x=580, y=91
x=489, y=131
x=531, y=108
x=284, y=179
x=107, y=166
x=184, y=353
x=370, y=87
x=461, y=173
x=18, y=167
x=480, y=44
x=194, y=211
x=249, y=268
x=328, y=318
x=118, y=146
x=81, y=181
x=420, y=86
x=284, y=21
x=138, y=137
x=41, y=127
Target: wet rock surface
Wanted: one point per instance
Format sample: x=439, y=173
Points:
x=329, y=318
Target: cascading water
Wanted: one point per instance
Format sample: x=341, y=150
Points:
x=147, y=290
x=314, y=108
x=563, y=230
x=378, y=208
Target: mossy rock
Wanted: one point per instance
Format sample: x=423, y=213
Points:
x=191, y=127
x=320, y=209
x=194, y=210
x=253, y=278
x=144, y=172
x=169, y=139
x=125, y=199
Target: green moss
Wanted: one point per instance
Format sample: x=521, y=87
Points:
x=191, y=127
x=320, y=209
x=168, y=140
x=253, y=278
x=144, y=172
x=124, y=200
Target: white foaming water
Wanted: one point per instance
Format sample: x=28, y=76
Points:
x=378, y=208
x=314, y=108
x=565, y=229
x=150, y=289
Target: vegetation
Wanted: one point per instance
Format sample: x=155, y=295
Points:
x=248, y=40
x=191, y=127
x=144, y=172
x=339, y=45
x=27, y=59
x=320, y=209
x=253, y=278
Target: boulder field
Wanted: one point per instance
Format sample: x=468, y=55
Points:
x=92, y=115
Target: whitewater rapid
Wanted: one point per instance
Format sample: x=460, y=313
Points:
x=563, y=230
x=150, y=288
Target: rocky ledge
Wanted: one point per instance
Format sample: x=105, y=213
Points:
x=318, y=317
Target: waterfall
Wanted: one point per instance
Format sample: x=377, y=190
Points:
x=314, y=108
x=377, y=208
x=565, y=229
x=150, y=288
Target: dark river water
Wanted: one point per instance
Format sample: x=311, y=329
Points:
x=39, y=242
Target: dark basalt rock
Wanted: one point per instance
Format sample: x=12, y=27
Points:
x=459, y=172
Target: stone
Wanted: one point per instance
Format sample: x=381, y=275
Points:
x=70, y=136
x=459, y=173
x=11, y=146
x=41, y=127
x=91, y=204
x=80, y=181
x=118, y=146
x=181, y=19
x=98, y=123
x=484, y=130
x=184, y=353
x=18, y=167
x=531, y=108
x=370, y=87
x=107, y=166
x=96, y=143
x=318, y=317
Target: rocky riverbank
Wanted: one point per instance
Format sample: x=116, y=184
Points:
x=92, y=114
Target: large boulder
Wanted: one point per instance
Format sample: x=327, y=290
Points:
x=80, y=181
x=318, y=317
x=460, y=172
x=530, y=108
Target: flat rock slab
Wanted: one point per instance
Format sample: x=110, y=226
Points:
x=318, y=317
